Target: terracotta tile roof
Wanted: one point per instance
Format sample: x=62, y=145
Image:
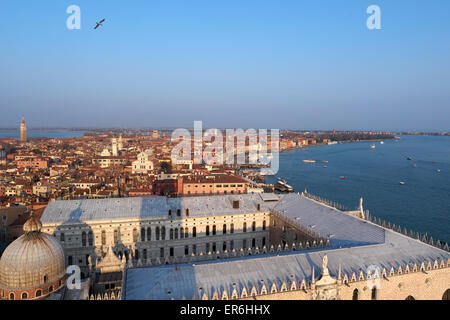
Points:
x=23, y=218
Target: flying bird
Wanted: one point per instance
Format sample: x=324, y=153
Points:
x=98, y=24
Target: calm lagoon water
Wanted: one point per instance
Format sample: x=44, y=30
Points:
x=421, y=204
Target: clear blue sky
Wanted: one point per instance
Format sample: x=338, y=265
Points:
x=308, y=64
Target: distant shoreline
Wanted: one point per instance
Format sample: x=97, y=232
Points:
x=326, y=144
x=91, y=129
x=42, y=134
x=45, y=129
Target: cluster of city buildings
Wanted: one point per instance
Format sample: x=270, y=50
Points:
x=103, y=166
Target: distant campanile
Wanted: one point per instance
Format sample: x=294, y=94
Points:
x=23, y=131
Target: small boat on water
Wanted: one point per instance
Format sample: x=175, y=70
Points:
x=409, y=158
x=325, y=161
x=342, y=178
x=282, y=186
x=309, y=161
x=372, y=146
x=381, y=142
x=438, y=170
x=325, y=166
x=402, y=183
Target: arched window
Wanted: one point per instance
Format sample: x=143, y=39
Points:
x=264, y=225
x=186, y=232
x=170, y=212
x=244, y=227
x=178, y=212
x=171, y=234
x=142, y=234
x=446, y=295
x=90, y=238
x=46, y=277
x=232, y=228
x=50, y=289
x=410, y=298
x=11, y=296
x=38, y=293
x=374, y=293
x=207, y=230
x=163, y=233
x=214, y=230
x=187, y=212
x=135, y=235
x=24, y=296
x=144, y=254
x=157, y=233
x=253, y=242
x=224, y=229
x=253, y=226
x=83, y=239
x=263, y=241
x=149, y=234
x=355, y=294
x=104, y=237
x=176, y=233
x=224, y=246
x=116, y=236
x=61, y=237
x=194, y=232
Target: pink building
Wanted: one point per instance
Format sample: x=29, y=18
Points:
x=33, y=163
x=213, y=184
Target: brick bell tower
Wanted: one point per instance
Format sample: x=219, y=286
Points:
x=23, y=131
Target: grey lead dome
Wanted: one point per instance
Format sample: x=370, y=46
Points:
x=32, y=260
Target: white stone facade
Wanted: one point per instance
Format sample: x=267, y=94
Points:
x=143, y=237
x=142, y=164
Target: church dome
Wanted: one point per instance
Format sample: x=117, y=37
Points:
x=32, y=266
x=32, y=225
